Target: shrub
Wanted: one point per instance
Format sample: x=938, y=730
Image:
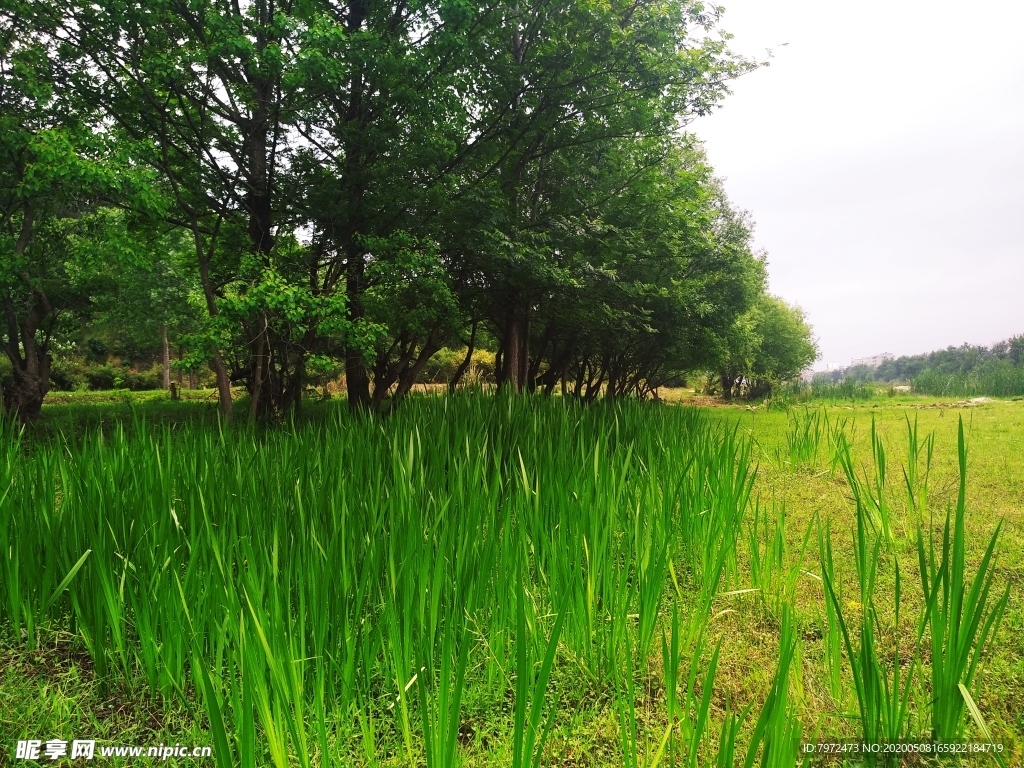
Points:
x=102, y=377
x=143, y=380
x=68, y=374
x=442, y=366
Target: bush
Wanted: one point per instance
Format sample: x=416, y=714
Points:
x=850, y=389
x=68, y=374
x=143, y=380
x=481, y=368
x=441, y=367
x=102, y=377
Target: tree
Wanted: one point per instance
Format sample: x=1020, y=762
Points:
x=769, y=345
x=58, y=176
x=148, y=304
x=200, y=92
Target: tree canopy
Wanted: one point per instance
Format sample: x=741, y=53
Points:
x=295, y=190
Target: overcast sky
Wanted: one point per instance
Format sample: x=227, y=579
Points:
x=881, y=155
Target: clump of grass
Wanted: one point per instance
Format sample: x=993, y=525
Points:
x=691, y=715
x=848, y=389
x=778, y=731
x=963, y=614
x=870, y=492
x=883, y=699
x=530, y=726
x=774, y=568
x=959, y=615
x=804, y=435
x=840, y=432
x=914, y=475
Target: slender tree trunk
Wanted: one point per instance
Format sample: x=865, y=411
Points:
x=387, y=372
x=499, y=367
x=216, y=362
x=558, y=369
x=466, y=361
x=580, y=376
x=356, y=380
x=166, y=350
x=220, y=371
x=513, y=367
x=265, y=396
x=408, y=376
x=257, y=406
x=525, y=385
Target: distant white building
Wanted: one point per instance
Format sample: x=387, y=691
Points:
x=874, y=361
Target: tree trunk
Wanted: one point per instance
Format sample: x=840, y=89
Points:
x=524, y=357
x=499, y=368
x=223, y=385
x=408, y=376
x=259, y=404
x=464, y=365
x=357, y=381
x=725, y=380
x=30, y=362
x=513, y=365
x=216, y=362
x=166, y=349
x=28, y=390
x=558, y=370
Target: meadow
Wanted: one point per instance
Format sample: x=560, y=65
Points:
x=493, y=581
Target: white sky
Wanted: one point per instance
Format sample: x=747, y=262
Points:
x=882, y=156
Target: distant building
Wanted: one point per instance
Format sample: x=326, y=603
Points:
x=874, y=361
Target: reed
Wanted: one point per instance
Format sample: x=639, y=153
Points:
x=963, y=614
x=291, y=579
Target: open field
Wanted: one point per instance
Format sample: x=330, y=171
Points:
x=492, y=582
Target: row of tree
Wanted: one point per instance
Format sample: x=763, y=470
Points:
x=280, y=187
x=953, y=361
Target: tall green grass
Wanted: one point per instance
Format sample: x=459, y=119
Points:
x=963, y=614
x=354, y=590
x=996, y=378
x=956, y=619
x=354, y=580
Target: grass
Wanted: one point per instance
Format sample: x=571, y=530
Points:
x=484, y=581
x=998, y=378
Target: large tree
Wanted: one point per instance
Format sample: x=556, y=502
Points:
x=200, y=91
x=59, y=176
